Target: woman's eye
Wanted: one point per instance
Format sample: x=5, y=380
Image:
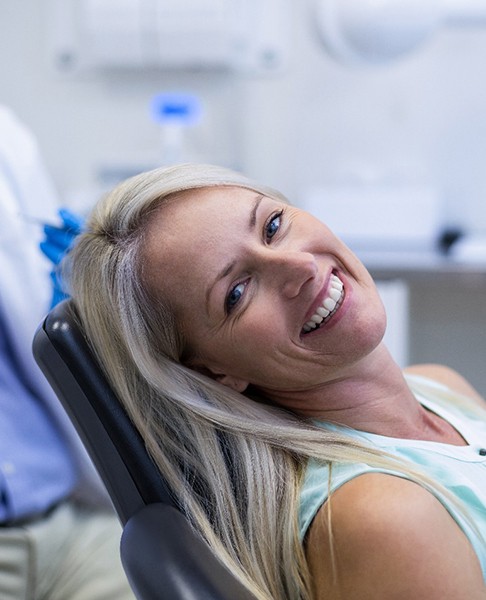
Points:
x=273, y=226
x=234, y=296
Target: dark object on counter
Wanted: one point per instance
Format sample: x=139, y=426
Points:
x=448, y=238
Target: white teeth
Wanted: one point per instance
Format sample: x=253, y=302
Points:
x=335, y=294
x=336, y=283
x=329, y=304
x=323, y=312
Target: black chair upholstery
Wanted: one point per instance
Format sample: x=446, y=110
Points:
x=163, y=558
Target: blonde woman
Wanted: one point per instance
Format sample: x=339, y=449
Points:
x=245, y=341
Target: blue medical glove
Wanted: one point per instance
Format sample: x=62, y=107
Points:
x=57, y=243
x=58, y=240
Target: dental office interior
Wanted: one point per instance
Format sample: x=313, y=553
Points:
x=369, y=113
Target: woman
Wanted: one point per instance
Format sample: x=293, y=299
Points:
x=245, y=341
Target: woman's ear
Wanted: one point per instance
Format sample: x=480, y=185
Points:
x=239, y=385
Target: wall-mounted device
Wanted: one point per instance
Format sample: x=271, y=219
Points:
x=378, y=31
x=239, y=35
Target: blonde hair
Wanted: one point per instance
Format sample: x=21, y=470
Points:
x=235, y=464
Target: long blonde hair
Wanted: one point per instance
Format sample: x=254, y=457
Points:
x=236, y=464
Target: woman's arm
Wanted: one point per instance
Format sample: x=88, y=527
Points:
x=391, y=540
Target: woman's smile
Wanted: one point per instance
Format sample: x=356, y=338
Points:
x=327, y=307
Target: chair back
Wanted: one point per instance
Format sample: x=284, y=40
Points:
x=163, y=557
x=114, y=445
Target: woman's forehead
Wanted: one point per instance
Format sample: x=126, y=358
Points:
x=195, y=224
x=186, y=210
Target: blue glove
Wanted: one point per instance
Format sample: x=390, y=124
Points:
x=59, y=240
x=57, y=243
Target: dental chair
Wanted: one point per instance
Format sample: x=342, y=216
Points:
x=164, y=559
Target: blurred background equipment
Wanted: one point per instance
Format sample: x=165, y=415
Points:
x=374, y=32
x=178, y=34
x=175, y=114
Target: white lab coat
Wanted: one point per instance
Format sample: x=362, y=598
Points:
x=25, y=286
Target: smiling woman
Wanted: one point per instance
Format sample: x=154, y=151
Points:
x=259, y=271
x=245, y=341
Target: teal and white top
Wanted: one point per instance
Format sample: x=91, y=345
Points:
x=460, y=469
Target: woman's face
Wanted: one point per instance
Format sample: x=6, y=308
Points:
x=264, y=292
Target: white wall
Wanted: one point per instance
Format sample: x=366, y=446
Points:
x=421, y=120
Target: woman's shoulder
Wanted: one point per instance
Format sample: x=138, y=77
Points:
x=391, y=538
x=447, y=377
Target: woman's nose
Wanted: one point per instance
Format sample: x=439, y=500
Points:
x=291, y=270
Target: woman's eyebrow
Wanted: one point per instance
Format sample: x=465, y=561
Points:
x=256, y=204
x=226, y=270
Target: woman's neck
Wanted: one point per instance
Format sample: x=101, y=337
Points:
x=371, y=396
